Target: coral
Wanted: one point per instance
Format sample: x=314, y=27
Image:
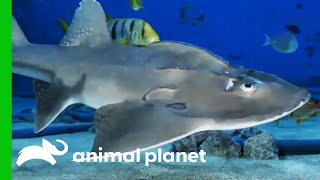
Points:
x=92, y=130
x=190, y=143
x=221, y=144
x=261, y=147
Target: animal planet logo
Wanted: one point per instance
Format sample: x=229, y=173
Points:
x=45, y=152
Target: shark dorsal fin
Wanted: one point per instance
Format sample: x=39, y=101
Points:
x=88, y=26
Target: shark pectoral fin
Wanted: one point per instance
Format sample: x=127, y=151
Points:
x=88, y=26
x=52, y=98
x=124, y=127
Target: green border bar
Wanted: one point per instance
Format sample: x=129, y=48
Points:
x=5, y=90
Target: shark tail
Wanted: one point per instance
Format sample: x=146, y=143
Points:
x=20, y=63
x=267, y=41
x=18, y=37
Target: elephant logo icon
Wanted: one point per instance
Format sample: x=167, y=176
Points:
x=45, y=152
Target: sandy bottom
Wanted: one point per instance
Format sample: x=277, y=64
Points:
x=291, y=167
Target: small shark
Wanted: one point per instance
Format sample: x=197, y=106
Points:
x=191, y=88
x=200, y=102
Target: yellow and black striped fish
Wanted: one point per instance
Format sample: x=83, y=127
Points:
x=128, y=31
x=132, y=31
x=136, y=4
x=302, y=114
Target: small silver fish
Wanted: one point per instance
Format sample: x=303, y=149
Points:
x=184, y=19
x=284, y=43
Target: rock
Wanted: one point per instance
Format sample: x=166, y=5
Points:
x=81, y=108
x=26, y=111
x=67, y=119
x=221, y=144
x=86, y=109
x=17, y=120
x=249, y=132
x=74, y=106
x=82, y=116
x=92, y=129
x=261, y=147
x=26, y=115
x=81, y=112
x=27, y=118
x=236, y=132
x=190, y=143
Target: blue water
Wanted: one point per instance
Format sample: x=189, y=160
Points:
x=230, y=27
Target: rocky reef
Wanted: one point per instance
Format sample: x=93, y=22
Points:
x=258, y=145
x=191, y=143
x=221, y=144
x=215, y=143
x=249, y=132
x=261, y=147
